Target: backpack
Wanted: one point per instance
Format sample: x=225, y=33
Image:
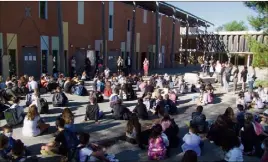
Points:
x=44, y=106
x=58, y=100
x=76, y=157
x=11, y=117
x=72, y=143
x=28, y=99
x=79, y=90
x=3, y=107
x=113, y=100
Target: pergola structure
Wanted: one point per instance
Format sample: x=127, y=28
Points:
x=159, y=7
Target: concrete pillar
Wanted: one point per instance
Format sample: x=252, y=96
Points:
x=187, y=42
x=157, y=43
x=133, y=37
x=172, y=56
x=60, y=34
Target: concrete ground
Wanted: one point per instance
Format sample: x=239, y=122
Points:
x=109, y=128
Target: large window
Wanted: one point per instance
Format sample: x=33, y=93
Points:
x=12, y=62
x=110, y=21
x=55, y=59
x=43, y=9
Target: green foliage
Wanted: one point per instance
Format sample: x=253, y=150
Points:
x=259, y=22
x=264, y=83
x=260, y=51
x=233, y=26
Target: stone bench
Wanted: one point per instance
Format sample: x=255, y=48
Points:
x=191, y=78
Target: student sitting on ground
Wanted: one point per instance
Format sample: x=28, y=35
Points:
x=9, y=93
x=4, y=146
x=257, y=102
x=141, y=110
x=241, y=100
x=248, y=96
x=33, y=125
x=199, y=120
x=114, y=97
x=60, y=143
x=159, y=108
x=170, y=107
x=189, y=156
x=158, y=143
x=240, y=117
x=192, y=141
x=264, y=146
x=19, y=112
x=68, y=118
x=7, y=131
x=93, y=111
x=18, y=152
x=59, y=99
x=108, y=89
x=133, y=131
x=79, y=89
x=84, y=76
x=89, y=151
x=68, y=84
x=120, y=112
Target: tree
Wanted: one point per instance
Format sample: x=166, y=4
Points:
x=233, y=26
x=260, y=22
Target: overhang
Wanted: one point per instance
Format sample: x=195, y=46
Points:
x=170, y=10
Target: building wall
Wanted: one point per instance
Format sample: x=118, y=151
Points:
x=82, y=29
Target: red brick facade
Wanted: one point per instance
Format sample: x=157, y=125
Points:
x=82, y=35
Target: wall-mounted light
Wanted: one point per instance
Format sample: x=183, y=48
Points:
x=71, y=45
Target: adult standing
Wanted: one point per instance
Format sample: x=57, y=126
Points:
x=244, y=74
x=87, y=66
x=128, y=64
x=251, y=78
x=235, y=76
x=119, y=64
x=73, y=65
x=218, y=68
x=146, y=66
x=226, y=76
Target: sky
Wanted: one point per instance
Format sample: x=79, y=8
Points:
x=217, y=13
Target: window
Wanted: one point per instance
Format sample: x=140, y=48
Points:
x=12, y=62
x=80, y=12
x=110, y=21
x=43, y=9
x=128, y=25
x=145, y=16
x=55, y=59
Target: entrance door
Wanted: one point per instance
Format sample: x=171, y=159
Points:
x=112, y=60
x=30, y=66
x=80, y=58
x=12, y=62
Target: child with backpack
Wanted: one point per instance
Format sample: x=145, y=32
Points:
x=80, y=90
x=7, y=131
x=64, y=143
x=89, y=152
x=59, y=99
x=15, y=114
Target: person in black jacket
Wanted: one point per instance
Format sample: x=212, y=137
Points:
x=93, y=110
x=141, y=110
x=120, y=112
x=9, y=93
x=199, y=119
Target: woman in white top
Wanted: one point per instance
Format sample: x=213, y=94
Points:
x=32, y=125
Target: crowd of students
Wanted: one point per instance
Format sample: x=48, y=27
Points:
x=159, y=99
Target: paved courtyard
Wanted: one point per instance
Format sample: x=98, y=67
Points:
x=109, y=128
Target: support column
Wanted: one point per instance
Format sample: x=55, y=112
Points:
x=60, y=33
x=157, y=43
x=187, y=42
x=103, y=35
x=133, y=37
x=172, y=56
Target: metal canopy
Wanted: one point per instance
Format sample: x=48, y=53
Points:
x=168, y=9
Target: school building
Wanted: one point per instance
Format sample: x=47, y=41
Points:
x=36, y=37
